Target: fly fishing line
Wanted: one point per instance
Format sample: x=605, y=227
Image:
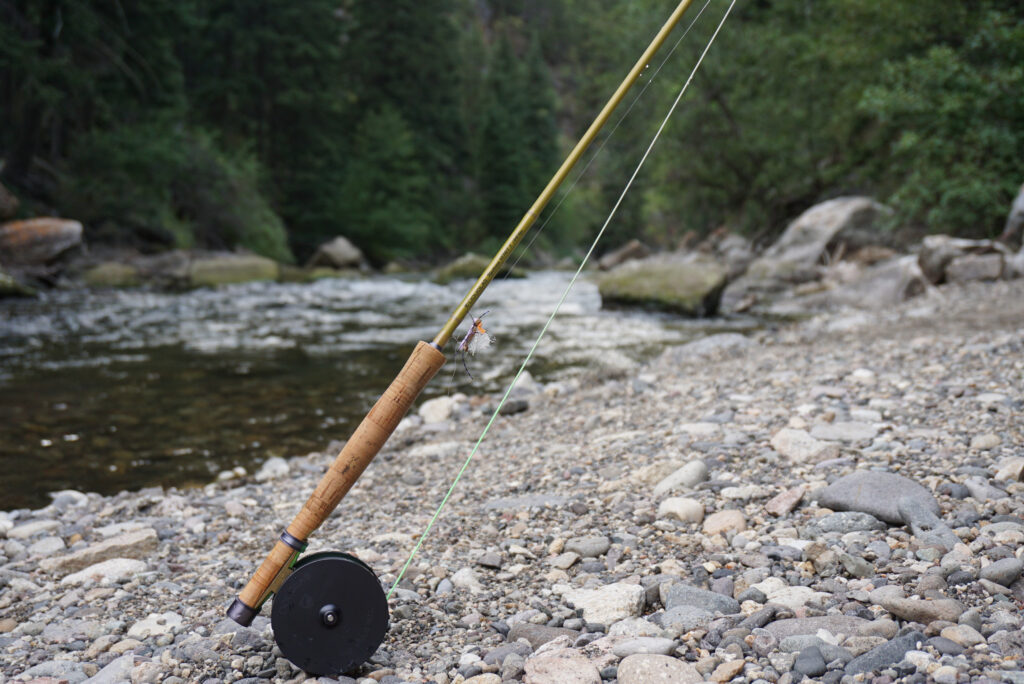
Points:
x=600, y=148
x=565, y=294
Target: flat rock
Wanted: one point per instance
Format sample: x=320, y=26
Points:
x=964, y=635
x=844, y=431
x=877, y=493
x=799, y=446
x=834, y=624
x=538, y=635
x=647, y=644
x=155, y=624
x=928, y=528
x=610, y=603
x=561, y=667
x=726, y=671
x=679, y=594
x=137, y=544
x=810, y=662
x=113, y=570
x=887, y=654
x=784, y=502
x=116, y=671
x=923, y=611
x=657, y=669
x=31, y=529
x=845, y=522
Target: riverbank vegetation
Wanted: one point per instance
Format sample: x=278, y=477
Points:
x=422, y=128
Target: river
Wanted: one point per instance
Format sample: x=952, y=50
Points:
x=121, y=389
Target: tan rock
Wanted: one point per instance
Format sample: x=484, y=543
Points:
x=726, y=671
x=724, y=521
x=784, y=502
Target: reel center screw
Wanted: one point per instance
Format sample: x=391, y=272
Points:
x=330, y=615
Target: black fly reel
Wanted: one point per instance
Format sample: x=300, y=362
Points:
x=331, y=614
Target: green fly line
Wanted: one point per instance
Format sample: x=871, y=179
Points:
x=565, y=294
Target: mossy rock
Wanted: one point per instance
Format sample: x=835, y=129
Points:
x=294, y=274
x=9, y=287
x=471, y=266
x=235, y=268
x=111, y=274
x=689, y=287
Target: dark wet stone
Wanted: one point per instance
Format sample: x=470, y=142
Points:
x=782, y=552
x=496, y=656
x=686, y=595
x=752, y=594
x=759, y=618
x=960, y=577
x=876, y=493
x=884, y=655
x=945, y=646
x=810, y=662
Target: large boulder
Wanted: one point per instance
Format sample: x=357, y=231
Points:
x=37, y=241
x=689, y=285
x=231, y=268
x=634, y=249
x=884, y=284
x=825, y=232
x=338, y=253
x=943, y=258
x=8, y=203
x=471, y=265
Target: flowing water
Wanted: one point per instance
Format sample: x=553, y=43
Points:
x=111, y=390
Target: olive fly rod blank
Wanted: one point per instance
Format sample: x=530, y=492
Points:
x=331, y=613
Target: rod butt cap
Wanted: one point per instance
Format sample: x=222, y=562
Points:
x=241, y=613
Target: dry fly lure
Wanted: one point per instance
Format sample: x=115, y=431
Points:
x=477, y=339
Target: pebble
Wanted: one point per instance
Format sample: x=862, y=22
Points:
x=876, y=493
x=800, y=447
x=683, y=509
x=1004, y=571
x=686, y=477
x=608, y=604
x=673, y=595
x=565, y=514
x=810, y=662
x=652, y=669
x=113, y=570
x=590, y=546
x=730, y=520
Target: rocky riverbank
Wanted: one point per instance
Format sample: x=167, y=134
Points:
x=839, y=499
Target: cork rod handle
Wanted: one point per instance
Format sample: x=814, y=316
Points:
x=357, y=454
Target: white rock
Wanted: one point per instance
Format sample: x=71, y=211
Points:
x=31, y=529
x=634, y=627
x=844, y=431
x=1011, y=469
x=690, y=475
x=466, y=579
x=610, y=603
x=47, y=546
x=746, y=492
x=699, y=429
x=795, y=597
x=686, y=510
x=273, y=468
x=109, y=571
x=437, y=410
x=799, y=446
x=863, y=376
x=155, y=625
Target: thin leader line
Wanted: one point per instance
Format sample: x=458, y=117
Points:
x=565, y=195
x=565, y=294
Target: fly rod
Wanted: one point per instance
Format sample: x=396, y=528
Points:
x=330, y=613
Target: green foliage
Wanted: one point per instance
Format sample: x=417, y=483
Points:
x=423, y=128
x=954, y=120
x=386, y=189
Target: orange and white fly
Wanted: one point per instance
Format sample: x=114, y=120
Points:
x=477, y=339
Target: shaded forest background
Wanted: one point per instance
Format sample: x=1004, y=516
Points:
x=422, y=128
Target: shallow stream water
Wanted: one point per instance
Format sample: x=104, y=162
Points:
x=104, y=391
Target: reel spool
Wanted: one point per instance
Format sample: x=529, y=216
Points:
x=331, y=614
